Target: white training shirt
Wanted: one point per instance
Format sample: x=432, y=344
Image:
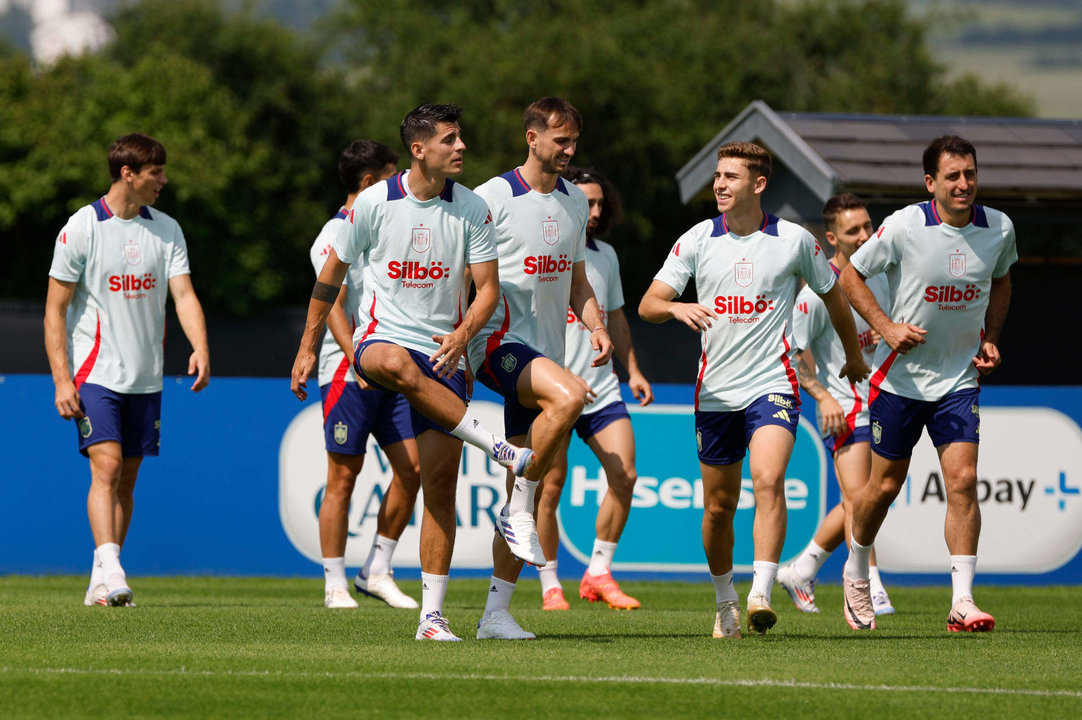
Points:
x=539, y=237
x=603, y=272
x=121, y=270
x=750, y=283
x=333, y=363
x=415, y=255
x=812, y=330
x=939, y=278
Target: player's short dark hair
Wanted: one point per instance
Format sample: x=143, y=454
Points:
x=538, y=113
x=838, y=204
x=612, y=211
x=949, y=145
x=363, y=157
x=754, y=156
x=135, y=151
x=420, y=122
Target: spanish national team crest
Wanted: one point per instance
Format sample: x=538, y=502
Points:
x=85, y=428
x=550, y=231
x=877, y=432
x=957, y=264
x=341, y=433
x=132, y=254
x=743, y=273
x=421, y=239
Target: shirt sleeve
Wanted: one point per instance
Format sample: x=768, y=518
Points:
x=580, y=239
x=802, y=323
x=1009, y=256
x=178, y=260
x=70, y=251
x=814, y=267
x=882, y=250
x=681, y=263
x=355, y=235
x=480, y=234
x=615, y=300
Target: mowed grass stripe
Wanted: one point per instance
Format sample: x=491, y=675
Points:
x=735, y=682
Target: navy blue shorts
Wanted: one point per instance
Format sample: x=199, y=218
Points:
x=456, y=383
x=723, y=437
x=500, y=373
x=351, y=414
x=856, y=435
x=590, y=424
x=133, y=420
x=897, y=421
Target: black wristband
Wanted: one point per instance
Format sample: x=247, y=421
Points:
x=325, y=292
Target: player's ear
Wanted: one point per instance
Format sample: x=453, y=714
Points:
x=832, y=238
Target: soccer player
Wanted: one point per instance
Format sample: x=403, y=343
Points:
x=604, y=424
x=352, y=411
x=842, y=407
x=746, y=264
x=417, y=233
x=540, y=226
x=113, y=265
x=948, y=263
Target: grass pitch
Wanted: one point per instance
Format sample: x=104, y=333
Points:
x=266, y=648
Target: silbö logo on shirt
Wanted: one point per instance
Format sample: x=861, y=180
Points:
x=410, y=272
x=741, y=309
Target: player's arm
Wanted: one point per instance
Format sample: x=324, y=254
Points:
x=829, y=409
x=841, y=317
x=324, y=293
x=338, y=324
x=625, y=353
x=486, y=280
x=901, y=336
x=658, y=305
x=194, y=324
x=57, y=300
x=999, y=299
x=584, y=304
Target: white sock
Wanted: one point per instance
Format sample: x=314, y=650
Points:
x=601, y=558
x=97, y=575
x=109, y=554
x=522, y=495
x=723, y=587
x=499, y=595
x=875, y=581
x=856, y=567
x=379, y=557
x=334, y=573
x=548, y=576
x=470, y=430
x=762, y=579
x=433, y=588
x=806, y=567
x=963, y=568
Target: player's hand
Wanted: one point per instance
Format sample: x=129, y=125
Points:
x=987, y=358
x=361, y=382
x=602, y=343
x=833, y=417
x=67, y=401
x=302, y=370
x=904, y=336
x=695, y=316
x=199, y=365
x=855, y=369
x=641, y=389
x=448, y=353
x=591, y=394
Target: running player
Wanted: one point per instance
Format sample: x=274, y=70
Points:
x=540, y=225
x=604, y=424
x=351, y=411
x=113, y=265
x=841, y=407
x=948, y=263
x=417, y=233
x=745, y=264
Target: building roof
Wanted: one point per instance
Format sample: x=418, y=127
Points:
x=881, y=154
